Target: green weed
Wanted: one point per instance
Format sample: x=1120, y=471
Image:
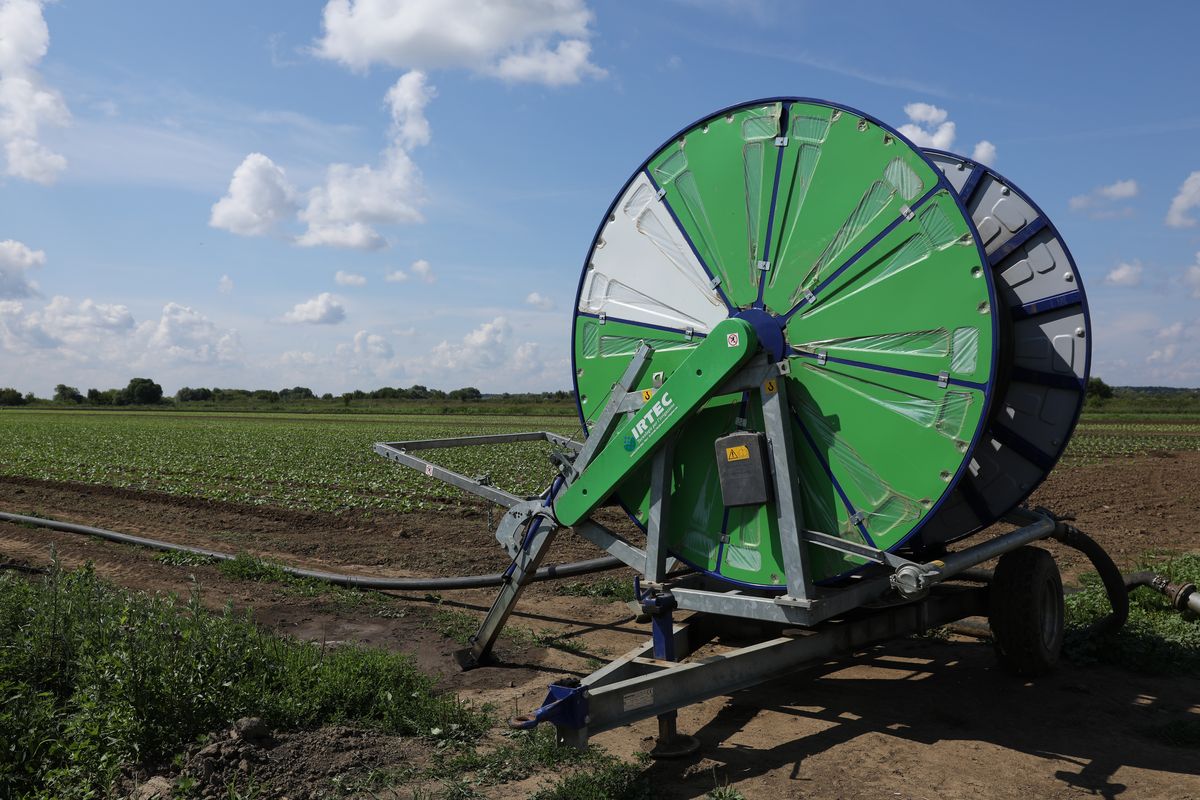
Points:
x=607, y=779
x=94, y=679
x=1156, y=638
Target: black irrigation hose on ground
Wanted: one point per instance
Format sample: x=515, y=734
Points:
x=1110, y=576
x=1117, y=586
x=338, y=578
x=1182, y=595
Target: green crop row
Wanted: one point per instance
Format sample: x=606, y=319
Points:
x=319, y=463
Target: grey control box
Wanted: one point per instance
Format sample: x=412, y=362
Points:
x=742, y=469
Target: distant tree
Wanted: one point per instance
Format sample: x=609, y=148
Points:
x=11, y=397
x=190, y=395
x=466, y=393
x=327, y=396
x=1097, y=390
x=93, y=395
x=142, y=392
x=416, y=392
x=67, y=394
x=296, y=393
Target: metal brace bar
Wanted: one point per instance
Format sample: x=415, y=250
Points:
x=752, y=376
x=612, y=544
x=660, y=498
x=528, y=559
x=787, y=498
x=498, y=496
x=599, y=434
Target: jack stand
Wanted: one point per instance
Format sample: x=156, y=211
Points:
x=671, y=743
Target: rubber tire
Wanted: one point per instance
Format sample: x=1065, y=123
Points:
x=1026, y=611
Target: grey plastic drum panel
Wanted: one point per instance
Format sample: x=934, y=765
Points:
x=1048, y=349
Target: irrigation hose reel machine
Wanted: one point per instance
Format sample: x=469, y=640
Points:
x=808, y=355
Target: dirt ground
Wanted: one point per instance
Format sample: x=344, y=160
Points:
x=918, y=718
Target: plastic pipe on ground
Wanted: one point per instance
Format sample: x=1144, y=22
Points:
x=337, y=578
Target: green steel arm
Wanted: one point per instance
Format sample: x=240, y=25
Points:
x=724, y=351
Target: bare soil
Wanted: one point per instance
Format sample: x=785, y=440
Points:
x=918, y=718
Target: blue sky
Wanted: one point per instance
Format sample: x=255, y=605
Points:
x=357, y=194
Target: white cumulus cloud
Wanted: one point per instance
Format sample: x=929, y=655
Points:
x=1125, y=274
x=372, y=345
x=259, y=198
x=928, y=126
x=984, y=153
x=539, y=300
x=541, y=41
x=343, y=278
x=225, y=285
x=396, y=276
x=407, y=100
x=1188, y=197
x=931, y=126
x=423, y=270
x=566, y=64
x=324, y=309
x=16, y=259
x=79, y=331
x=344, y=211
x=26, y=104
x=1102, y=202
x=184, y=335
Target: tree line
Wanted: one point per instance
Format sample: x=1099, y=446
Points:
x=146, y=392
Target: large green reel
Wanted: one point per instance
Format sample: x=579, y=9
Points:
x=824, y=222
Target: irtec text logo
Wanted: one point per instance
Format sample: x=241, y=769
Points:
x=663, y=407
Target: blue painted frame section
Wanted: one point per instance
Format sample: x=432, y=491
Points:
x=972, y=183
x=762, y=276
x=864, y=250
x=942, y=182
x=1069, y=382
x=1018, y=239
x=1071, y=298
x=1022, y=447
x=925, y=376
x=812, y=445
x=1087, y=317
x=975, y=501
x=651, y=325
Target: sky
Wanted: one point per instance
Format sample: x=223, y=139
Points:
x=363, y=193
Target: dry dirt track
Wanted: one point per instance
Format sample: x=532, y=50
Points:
x=916, y=719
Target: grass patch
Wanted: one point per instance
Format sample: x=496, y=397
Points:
x=606, y=588
x=608, y=778
x=95, y=679
x=1157, y=638
x=519, y=757
x=177, y=558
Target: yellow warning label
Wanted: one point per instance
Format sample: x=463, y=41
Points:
x=739, y=453
x=769, y=387
x=647, y=394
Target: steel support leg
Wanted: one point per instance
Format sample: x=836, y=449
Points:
x=671, y=743
x=520, y=573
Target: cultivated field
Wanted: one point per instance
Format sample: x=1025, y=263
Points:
x=922, y=718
